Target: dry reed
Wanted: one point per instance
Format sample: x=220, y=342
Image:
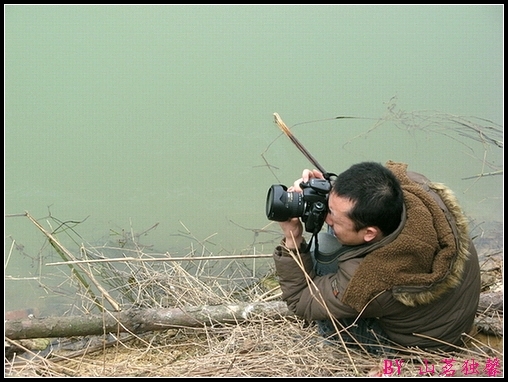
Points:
x=262, y=346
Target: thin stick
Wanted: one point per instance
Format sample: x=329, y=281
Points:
x=9, y=256
x=297, y=143
x=64, y=252
x=136, y=259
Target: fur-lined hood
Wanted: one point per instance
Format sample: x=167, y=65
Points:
x=425, y=257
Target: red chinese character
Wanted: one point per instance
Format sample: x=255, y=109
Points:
x=470, y=367
x=491, y=367
x=428, y=369
x=447, y=367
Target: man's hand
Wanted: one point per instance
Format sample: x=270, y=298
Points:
x=306, y=176
x=293, y=228
x=293, y=232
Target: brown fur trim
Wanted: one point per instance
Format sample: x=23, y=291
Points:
x=457, y=267
x=429, y=255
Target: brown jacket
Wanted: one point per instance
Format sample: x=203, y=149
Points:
x=422, y=281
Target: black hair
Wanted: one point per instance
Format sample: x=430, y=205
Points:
x=376, y=194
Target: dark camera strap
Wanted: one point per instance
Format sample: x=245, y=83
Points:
x=316, y=244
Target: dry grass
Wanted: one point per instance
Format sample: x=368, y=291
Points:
x=262, y=346
x=259, y=348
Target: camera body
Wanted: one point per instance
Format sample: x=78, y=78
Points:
x=311, y=205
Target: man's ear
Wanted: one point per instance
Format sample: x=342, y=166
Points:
x=371, y=233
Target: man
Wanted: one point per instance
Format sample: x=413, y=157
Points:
x=403, y=271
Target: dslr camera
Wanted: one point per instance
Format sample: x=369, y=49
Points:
x=311, y=205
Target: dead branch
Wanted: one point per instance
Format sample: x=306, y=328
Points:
x=140, y=320
x=66, y=255
x=136, y=320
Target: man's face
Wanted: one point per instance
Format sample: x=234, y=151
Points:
x=341, y=224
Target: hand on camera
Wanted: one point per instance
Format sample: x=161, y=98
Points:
x=293, y=228
x=306, y=176
x=293, y=232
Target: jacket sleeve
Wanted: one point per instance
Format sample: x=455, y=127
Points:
x=307, y=295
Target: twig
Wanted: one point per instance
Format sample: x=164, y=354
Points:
x=9, y=256
x=64, y=252
x=136, y=259
x=498, y=172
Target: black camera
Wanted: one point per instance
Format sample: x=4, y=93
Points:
x=311, y=205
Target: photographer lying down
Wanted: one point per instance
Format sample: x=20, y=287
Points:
x=395, y=267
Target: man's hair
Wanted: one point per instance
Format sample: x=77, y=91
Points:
x=376, y=194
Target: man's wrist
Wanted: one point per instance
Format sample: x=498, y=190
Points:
x=293, y=242
x=282, y=250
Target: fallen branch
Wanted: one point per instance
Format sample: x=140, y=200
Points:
x=138, y=321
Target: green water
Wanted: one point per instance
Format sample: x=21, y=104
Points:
x=131, y=116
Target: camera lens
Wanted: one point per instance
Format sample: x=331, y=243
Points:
x=282, y=205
